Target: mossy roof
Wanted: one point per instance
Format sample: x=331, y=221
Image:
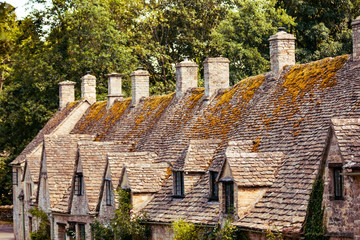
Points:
x=290, y=115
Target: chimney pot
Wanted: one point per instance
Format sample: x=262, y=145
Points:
x=356, y=38
x=139, y=85
x=282, y=50
x=281, y=29
x=114, y=88
x=186, y=76
x=66, y=93
x=216, y=75
x=88, y=88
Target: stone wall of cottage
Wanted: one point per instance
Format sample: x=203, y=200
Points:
x=65, y=220
x=216, y=75
x=66, y=93
x=161, y=232
x=356, y=39
x=139, y=85
x=282, y=50
x=340, y=215
x=17, y=209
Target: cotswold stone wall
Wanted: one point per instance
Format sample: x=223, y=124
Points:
x=6, y=213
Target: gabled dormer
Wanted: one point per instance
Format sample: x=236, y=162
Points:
x=107, y=202
x=245, y=177
x=29, y=193
x=192, y=164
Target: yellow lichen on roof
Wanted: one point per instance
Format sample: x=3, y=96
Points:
x=302, y=78
x=220, y=118
x=95, y=113
x=154, y=105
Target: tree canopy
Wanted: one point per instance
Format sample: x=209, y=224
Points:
x=67, y=38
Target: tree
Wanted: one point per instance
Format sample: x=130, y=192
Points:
x=243, y=36
x=323, y=27
x=8, y=29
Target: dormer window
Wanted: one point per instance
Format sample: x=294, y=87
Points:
x=338, y=183
x=178, y=184
x=108, y=192
x=214, y=190
x=229, y=196
x=79, y=183
x=15, y=177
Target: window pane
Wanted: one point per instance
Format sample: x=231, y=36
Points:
x=15, y=178
x=108, y=192
x=214, y=187
x=338, y=182
x=82, y=231
x=229, y=197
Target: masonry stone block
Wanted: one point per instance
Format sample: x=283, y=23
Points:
x=216, y=75
x=66, y=93
x=186, y=77
x=282, y=50
x=114, y=88
x=88, y=88
x=356, y=39
x=139, y=85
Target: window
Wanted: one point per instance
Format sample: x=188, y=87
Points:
x=179, y=184
x=15, y=177
x=61, y=231
x=30, y=225
x=229, y=197
x=79, y=184
x=72, y=231
x=338, y=183
x=108, y=192
x=82, y=231
x=214, y=190
x=28, y=191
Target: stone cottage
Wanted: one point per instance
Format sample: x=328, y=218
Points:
x=266, y=151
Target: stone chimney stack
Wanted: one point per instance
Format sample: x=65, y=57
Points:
x=356, y=38
x=88, y=88
x=66, y=93
x=114, y=88
x=186, y=76
x=139, y=85
x=282, y=50
x=216, y=75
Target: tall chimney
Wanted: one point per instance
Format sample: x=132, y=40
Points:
x=282, y=50
x=186, y=77
x=66, y=93
x=356, y=38
x=114, y=88
x=216, y=75
x=88, y=88
x=139, y=85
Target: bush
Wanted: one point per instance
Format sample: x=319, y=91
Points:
x=43, y=232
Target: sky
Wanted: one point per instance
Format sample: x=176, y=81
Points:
x=21, y=7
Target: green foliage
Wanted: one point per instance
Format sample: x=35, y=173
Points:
x=101, y=231
x=43, y=232
x=314, y=225
x=274, y=234
x=243, y=36
x=323, y=27
x=125, y=225
x=184, y=230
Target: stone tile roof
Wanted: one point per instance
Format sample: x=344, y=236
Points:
x=93, y=157
x=289, y=115
x=347, y=132
x=253, y=169
x=145, y=177
x=47, y=129
x=118, y=160
x=198, y=156
x=60, y=155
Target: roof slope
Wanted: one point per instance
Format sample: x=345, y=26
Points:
x=347, y=132
x=93, y=156
x=146, y=177
x=60, y=156
x=289, y=115
x=51, y=125
x=254, y=169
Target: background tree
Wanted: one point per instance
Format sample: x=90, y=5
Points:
x=243, y=36
x=323, y=27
